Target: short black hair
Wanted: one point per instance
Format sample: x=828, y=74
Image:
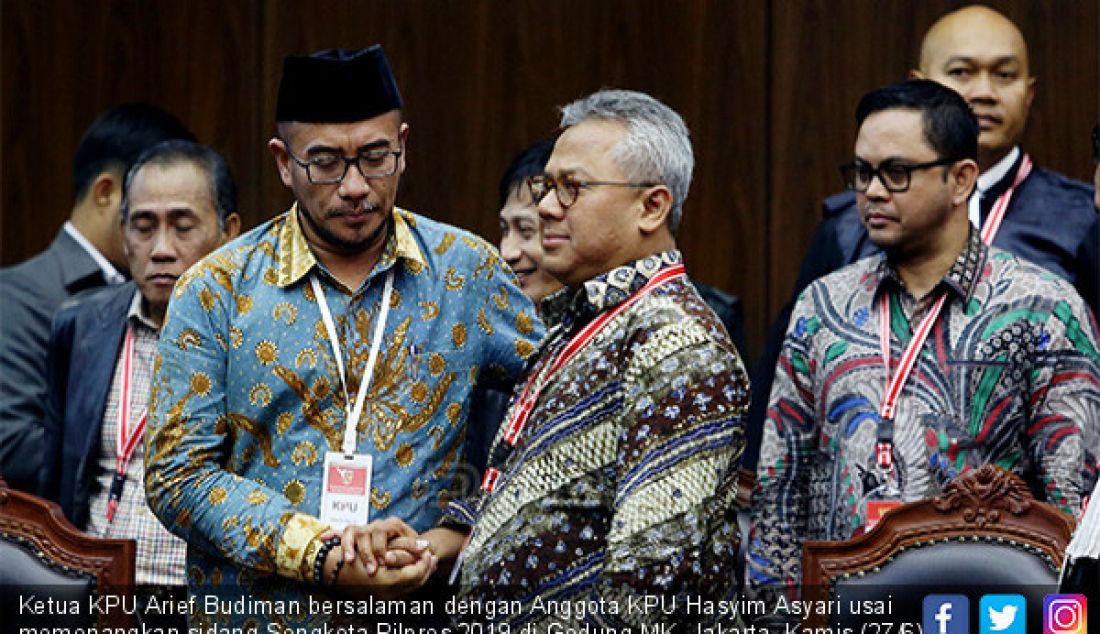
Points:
x=117, y=137
x=223, y=188
x=950, y=127
x=530, y=162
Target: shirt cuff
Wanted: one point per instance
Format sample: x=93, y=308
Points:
x=459, y=514
x=298, y=545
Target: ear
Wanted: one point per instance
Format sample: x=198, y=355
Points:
x=106, y=192
x=403, y=139
x=282, y=159
x=656, y=205
x=1031, y=82
x=125, y=244
x=232, y=227
x=916, y=74
x=963, y=176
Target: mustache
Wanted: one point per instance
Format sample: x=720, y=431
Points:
x=366, y=205
x=869, y=208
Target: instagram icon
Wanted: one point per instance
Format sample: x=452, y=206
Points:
x=1065, y=614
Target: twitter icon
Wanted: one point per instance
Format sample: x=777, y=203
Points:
x=1002, y=614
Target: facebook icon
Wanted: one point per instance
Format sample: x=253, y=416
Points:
x=946, y=614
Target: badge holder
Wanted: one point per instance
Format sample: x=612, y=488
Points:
x=345, y=491
x=883, y=492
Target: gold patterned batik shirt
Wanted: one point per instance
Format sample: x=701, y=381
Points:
x=247, y=396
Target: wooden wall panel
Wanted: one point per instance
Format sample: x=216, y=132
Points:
x=767, y=88
x=65, y=62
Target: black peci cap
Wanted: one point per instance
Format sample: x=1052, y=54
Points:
x=362, y=80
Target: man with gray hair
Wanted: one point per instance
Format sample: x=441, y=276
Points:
x=179, y=202
x=614, y=473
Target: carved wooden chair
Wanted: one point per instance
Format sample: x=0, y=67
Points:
x=984, y=534
x=43, y=557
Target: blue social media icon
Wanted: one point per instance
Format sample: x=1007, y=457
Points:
x=1002, y=614
x=946, y=614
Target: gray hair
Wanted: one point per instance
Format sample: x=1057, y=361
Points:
x=657, y=146
x=223, y=189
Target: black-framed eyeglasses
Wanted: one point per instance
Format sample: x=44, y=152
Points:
x=330, y=168
x=893, y=175
x=567, y=189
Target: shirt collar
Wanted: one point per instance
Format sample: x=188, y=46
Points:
x=110, y=273
x=295, y=258
x=138, y=313
x=605, y=291
x=993, y=175
x=960, y=278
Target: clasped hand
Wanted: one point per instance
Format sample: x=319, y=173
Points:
x=384, y=559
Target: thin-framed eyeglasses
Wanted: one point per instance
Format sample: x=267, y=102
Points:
x=567, y=189
x=894, y=176
x=330, y=168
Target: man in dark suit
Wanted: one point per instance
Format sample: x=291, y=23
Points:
x=86, y=253
x=178, y=206
x=1036, y=214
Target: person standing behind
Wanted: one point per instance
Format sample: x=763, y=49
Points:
x=520, y=237
x=1031, y=212
x=521, y=248
x=179, y=203
x=907, y=368
x=86, y=253
x=314, y=374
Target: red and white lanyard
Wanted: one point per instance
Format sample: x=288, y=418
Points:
x=127, y=437
x=539, y=378
x=997, y=214
x=884, y=447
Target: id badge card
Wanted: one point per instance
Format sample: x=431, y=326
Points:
x=345, y=490
x=884, y=496
x=877, y=508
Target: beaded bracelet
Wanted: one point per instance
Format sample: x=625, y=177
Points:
x=336, y=572
x=322, y=554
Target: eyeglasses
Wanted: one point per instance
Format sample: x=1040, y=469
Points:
x=329, y=169
x=895, y=177
x=567, y=189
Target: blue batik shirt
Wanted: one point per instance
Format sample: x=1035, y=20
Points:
x=247, y=396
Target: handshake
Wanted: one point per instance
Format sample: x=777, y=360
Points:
x=386, y=558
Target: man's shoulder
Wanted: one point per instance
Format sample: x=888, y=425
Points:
x=91, y=311
x=1023, y=273
x=849, y=276
x=227, y=262
x=681, y=309
x=1058, y=192
x=448, y=245
x=842, y=204
x=36, y=287
x=44, y=267
x=95, y=300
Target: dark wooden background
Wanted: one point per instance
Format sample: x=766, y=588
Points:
x=767, y=87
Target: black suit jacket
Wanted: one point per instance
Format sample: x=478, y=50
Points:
x=84, y=346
